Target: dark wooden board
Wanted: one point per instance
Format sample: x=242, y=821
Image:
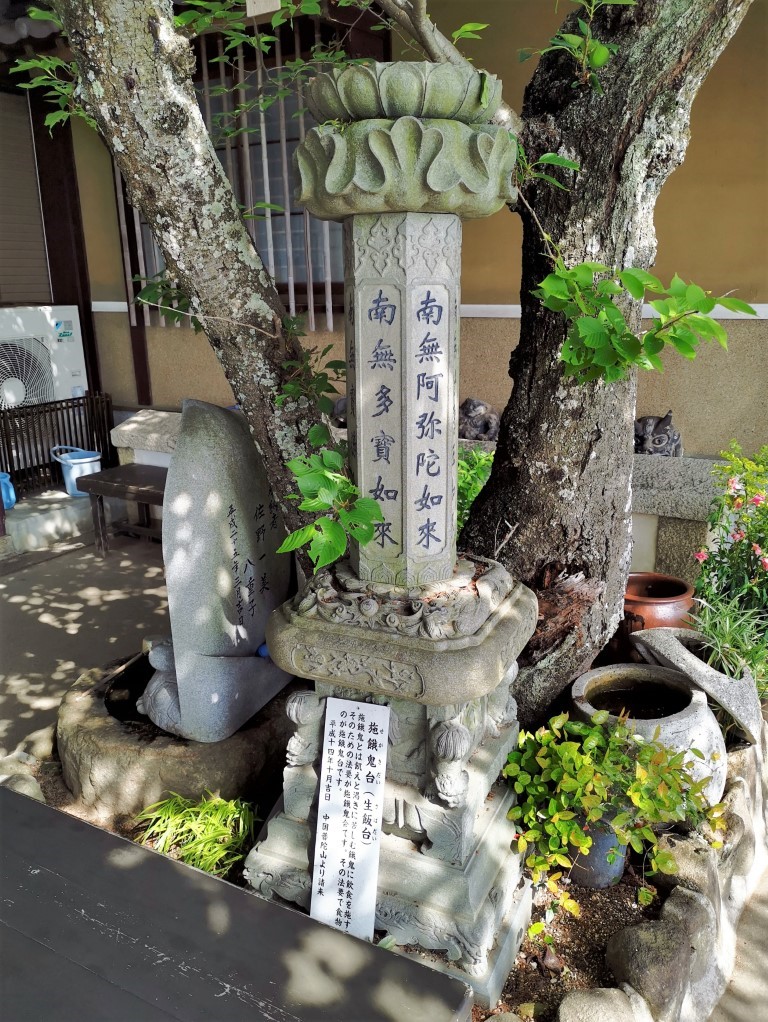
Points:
x=98, y=929
x=142, y=483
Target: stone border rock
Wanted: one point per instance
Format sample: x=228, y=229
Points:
x=120, y=769
x=676, y=968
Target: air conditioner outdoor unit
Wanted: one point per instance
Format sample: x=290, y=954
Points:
x=41, y=354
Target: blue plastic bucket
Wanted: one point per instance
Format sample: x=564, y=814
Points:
x=76, y=462
x=7, y=490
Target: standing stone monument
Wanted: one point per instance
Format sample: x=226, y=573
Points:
x=221, y=530
x=402, y=152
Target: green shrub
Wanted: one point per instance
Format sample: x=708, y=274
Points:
x=473, y=470
x=212, y=834
x=570, y=775
x=736, y=638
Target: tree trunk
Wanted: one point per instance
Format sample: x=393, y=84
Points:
x=135, y=80
x=561, y=481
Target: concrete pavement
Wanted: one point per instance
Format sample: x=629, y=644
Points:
x=62, y=613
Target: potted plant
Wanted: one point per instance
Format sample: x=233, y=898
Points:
x=588, y=791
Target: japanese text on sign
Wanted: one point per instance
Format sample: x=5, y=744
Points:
x=349, y=815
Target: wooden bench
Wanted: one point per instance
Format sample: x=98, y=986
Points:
x=98, y=929
x=142, y=484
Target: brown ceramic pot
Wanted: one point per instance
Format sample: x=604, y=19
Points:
x=656, y=601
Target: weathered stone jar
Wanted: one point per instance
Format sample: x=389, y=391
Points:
x=657, y=697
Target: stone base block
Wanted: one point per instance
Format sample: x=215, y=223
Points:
x=120, y=766
x=476, y=913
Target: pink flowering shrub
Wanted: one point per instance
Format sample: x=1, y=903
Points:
x=732, y=588
x=734, y=565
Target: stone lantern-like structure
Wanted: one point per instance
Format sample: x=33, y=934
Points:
x=402, y=153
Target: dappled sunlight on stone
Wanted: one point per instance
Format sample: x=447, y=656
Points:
x=387, y=997
x=128, y=857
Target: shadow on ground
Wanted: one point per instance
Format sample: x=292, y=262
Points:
x=63, y=615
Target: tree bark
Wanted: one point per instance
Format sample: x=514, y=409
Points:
x=136, y=81
x=561, y=481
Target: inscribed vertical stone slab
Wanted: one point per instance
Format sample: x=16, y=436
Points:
x=402, y=331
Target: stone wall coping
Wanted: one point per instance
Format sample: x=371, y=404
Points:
x=667, y=487
x=149, y=430
x=673, y=487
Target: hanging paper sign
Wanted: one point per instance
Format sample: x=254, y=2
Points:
x=351, y=801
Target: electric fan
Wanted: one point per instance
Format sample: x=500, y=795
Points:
x=26, y=377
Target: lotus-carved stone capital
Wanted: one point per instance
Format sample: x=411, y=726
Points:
x=358, y=92
x=405, y=165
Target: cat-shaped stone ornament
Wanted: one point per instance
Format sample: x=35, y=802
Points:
x=655, y=434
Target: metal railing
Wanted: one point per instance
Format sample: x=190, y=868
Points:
x=28, y=432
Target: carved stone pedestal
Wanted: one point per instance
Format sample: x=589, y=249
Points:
x=448, y=881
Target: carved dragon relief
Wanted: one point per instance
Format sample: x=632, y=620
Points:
x=454, y=608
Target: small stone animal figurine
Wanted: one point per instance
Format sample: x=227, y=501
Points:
x=477, y=420
x=655, y=434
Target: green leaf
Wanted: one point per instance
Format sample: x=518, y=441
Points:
x=557, y=161
x=296, y=539
x=328, y=544
x=318, y=435
x=310, y=484
x=736, y=305
x=555, y=285
x=333, y=460
x=370, y=508
x=664, y=862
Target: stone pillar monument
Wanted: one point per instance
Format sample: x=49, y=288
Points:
x=402, y=152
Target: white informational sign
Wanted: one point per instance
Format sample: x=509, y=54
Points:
x=349, y=814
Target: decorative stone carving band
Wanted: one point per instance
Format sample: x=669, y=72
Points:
x=385, y=166
x=435, y=672
x=359, y=92
x=449, y=609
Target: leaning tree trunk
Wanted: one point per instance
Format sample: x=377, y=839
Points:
x=560, y=491
x=136, y=81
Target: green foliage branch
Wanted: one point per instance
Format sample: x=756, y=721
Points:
x=586, y=51
x=212, y=834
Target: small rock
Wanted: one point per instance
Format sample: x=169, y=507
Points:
x=655, y=959
x=25, y=785
x=694, y=914
x=598, y=1005
x=696, y=866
